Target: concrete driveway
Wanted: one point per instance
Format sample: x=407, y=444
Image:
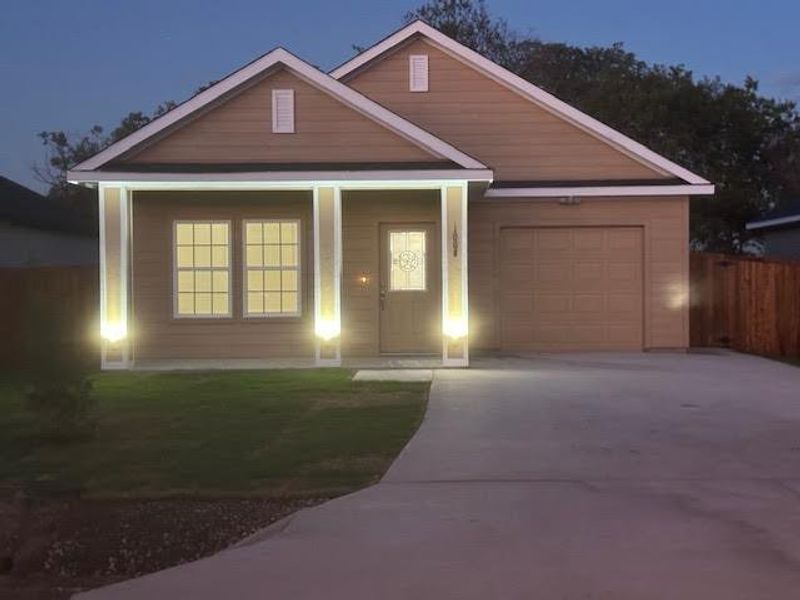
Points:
x=555, y=477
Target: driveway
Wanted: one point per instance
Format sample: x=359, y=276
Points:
x=572, y=476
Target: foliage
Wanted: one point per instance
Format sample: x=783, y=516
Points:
x=308, y=431
x=59, y=393
x=748, y=145
x=63, y=408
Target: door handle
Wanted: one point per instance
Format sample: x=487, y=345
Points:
x=382, y=298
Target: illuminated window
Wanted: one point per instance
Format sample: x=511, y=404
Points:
x=202, y=269
x=272, y=268
x=407, y=261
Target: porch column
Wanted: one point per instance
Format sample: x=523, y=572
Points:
x=327, y=275
x=455, y=305
x=114, y=213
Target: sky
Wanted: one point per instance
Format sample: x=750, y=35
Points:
x=70, y=65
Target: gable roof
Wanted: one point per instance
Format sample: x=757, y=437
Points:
x=310, y=74
x=526, y=89
x=23, y=207
x=788, y=216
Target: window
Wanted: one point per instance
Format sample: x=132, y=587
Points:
x=282, y=111
x=407, y=261
x=418, y=72
x=272, y=268
x=202, y=269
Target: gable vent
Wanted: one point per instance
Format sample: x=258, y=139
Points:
x=282, y=111
x=418, y=72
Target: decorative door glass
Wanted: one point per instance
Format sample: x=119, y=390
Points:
x=407, y=261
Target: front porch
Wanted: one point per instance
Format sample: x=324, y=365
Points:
x=380, y=275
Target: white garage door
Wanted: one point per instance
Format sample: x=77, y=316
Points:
x=571, y=288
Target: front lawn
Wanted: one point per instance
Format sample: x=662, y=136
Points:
x=276, y=433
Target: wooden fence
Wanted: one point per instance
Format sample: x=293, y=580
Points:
x=744, y=303
x=48, y=311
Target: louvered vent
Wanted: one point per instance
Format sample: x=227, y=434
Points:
x=418, y=73
x=282, y=111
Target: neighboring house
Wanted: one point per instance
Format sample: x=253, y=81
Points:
x=418, y=199
x=780, y=232
x=36, y=231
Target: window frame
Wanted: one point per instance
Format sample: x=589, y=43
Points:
x=175, y=269
x=299, y=268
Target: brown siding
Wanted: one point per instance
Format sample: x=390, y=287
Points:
x=240, y=130
x=665, y=223
x=362, y=214
x=157, y=334
x=509, y=133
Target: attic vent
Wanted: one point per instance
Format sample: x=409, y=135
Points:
x=282, y=111
x=418, y=73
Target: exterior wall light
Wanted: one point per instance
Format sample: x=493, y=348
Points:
x=113, y=332
x=456, y=328
x=327, y=329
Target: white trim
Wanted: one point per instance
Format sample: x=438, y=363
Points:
x=124, y=247
x=175, y=314
x=310, y=74
x=526, y=89
x=445, y=288
x=610, y=190
x=264, y=179
x=299, y=270
x=286, y=95
x=337, y=269
x=772, y=222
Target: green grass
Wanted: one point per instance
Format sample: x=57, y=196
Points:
x=264, y=432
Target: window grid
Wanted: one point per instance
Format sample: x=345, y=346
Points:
x=272, y=268
x=202, y=269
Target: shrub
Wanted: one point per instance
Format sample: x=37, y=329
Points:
x=64, y=408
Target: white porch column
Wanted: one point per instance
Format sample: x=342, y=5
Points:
x=328, y=275
x=455, y=303
x=114, y=225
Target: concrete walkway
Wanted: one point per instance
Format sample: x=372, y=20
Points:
x=554, y=477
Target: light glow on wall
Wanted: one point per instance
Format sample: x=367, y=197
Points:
x=327, y=329
x=113, y=331
x=456, y=328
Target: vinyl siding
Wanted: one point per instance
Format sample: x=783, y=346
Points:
x=157, y=334
x=362, y=214
x=481, y=117
x=665, y=227
x=240, y=131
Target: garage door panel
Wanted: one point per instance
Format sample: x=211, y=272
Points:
x=550, y=276
x=550, y=239
x=518, y=304
x=588, y=239
x=571, y=288
x=591, y=304
x=552, y=303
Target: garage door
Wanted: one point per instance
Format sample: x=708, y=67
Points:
x=571, y=288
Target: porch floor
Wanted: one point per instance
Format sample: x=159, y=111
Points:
x=211, y=364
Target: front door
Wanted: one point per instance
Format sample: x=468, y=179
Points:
x=410, y=319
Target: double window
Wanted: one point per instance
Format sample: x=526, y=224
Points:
x=271, y=268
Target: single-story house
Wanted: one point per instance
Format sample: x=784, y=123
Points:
x=780, y=231
x=36, y=231
x=417, y=200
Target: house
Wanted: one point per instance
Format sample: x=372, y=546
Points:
x=36, y=231
x=780, y=232
x=417, y=200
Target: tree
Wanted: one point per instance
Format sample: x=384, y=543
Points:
x=748, y=145
x=469, y=22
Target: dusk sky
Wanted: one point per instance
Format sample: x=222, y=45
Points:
x=70, y=65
